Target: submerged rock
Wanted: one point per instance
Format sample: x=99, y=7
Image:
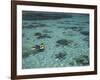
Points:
x=75, y=45
x=69, y=32
x=27, y=38
x=35, y=25
x=43, y=36
x=71, y=63
x=47, y=31
x=37, y=34
x=23, y=34
x=82, y=60
x=86, y=39
x=76, y=28
x=64, y=27
x=25, y=54
x=64, y=42
x=86, y=33
x=60, y=56
x=29, y=26
x=57, y=45
x=25, y=23
x=87, y=22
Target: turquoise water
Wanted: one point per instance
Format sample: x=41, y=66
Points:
x=64, y=35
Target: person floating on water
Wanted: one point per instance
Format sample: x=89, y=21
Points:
x=39, y=48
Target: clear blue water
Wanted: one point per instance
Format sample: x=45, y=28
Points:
x=64, y=35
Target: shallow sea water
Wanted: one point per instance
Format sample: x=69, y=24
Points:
x=65, y=36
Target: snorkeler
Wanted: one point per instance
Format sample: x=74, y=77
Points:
x=39, y=48
x=42, y=46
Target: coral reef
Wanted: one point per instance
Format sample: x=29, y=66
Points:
x=30, y=26
x=74, y=45
x=71, y=63
x=86, y=33
x=47, y=31
x=64, y=42
x=25, y=54
x=60, y=56
x=41, y=16
x=37, y=34
x=76, y=28
x=64, y=27
x=43, y=36
x=86, y=39
x=23, y=34
x=66, y=38
x=82, y=60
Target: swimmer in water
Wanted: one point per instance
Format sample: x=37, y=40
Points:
x=39, y=48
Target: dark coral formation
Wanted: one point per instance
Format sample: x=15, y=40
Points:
x=57, y=45
x=25, y=23
x=27, y=38
x=35, y=25
x=76, y=28
x=29, y=26
x=75, y=45
x=47, y=31
x=73, y=28
x=82, y=60
x=23, y=34
x=33, y=15
x=87, y=40
x=64, y=42
x=71, y=63
x=86, y=22
x=69, y=33
x=25, y=54
x=37, y=34
x=60, y=56
x=86, y=33
x=64, y=27
x=43, y=36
